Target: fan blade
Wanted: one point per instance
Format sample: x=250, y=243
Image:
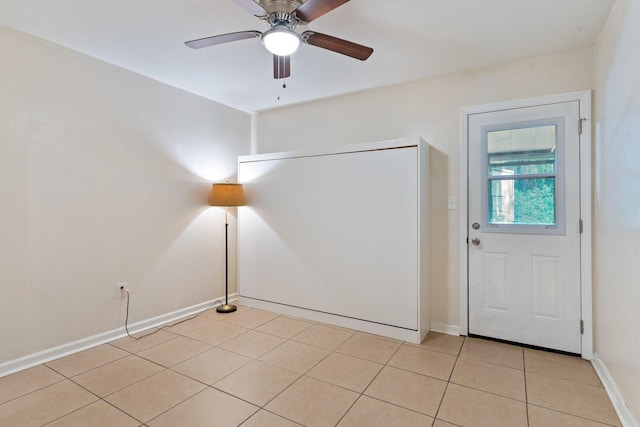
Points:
x=253, y=7
x=281, y=67
x=337, y=45
x=222, y=38
x=314, y=9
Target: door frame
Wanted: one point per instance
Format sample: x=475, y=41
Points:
x=584, y=99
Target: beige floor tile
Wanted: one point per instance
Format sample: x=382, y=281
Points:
x=175, y=351
x=369, y=347
x=426, y=362
x=45, y=405
x=212, y=314
x=313, y=403
x=117, y=375
x=440, y=423
x=542, y=417
x=307, y=374
x=257, y=382
x=283, y=327
x=97, y=414
x=493, y=352
x=380, y=337
x=374, y=413
x=77, y=363
x=560, y=366
x=217, y=333
x=253, y=344
x=340, y=328
x=212, y=365
x=23, y=382
x=468, y=407
x=152, y=396
x=346, y=371
x=209, y=408
x=436, y=341
x=301, y=319
x=264, y=418
x=145, y=340
x=295, y=356
x=573, y=398
x=323, y=336
x=251, y=319
x=507, y=382
x=186, y=326
x=407, y=389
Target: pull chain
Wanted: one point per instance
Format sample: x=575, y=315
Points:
x=284, y=86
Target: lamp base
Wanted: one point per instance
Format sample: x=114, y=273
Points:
x=226, y=308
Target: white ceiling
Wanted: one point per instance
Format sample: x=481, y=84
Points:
x=412, y=39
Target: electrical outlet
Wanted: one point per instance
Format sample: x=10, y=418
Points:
x=121, y=289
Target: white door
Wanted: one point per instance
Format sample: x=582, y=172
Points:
x=524, y=226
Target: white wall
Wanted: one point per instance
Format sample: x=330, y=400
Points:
x=617, y=199
x=104, y=177
x=429, y=109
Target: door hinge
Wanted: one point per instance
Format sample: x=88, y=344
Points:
x=581, y=226
x=580, y=121
x=581, y=327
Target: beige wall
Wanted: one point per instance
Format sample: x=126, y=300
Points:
x=104, y=177
x=617, y=199
x=429, y=109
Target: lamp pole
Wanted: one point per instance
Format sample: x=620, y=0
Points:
x=226, y=308
x=226, y=195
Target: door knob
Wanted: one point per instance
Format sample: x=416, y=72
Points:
x=475, y=226
x=475, y=241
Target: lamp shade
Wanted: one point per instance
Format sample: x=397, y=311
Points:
x=226, y=195
x=281, y=40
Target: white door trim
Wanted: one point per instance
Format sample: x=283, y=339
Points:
x=584, y=99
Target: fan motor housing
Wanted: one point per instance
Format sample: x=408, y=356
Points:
x=286, y=6
x=281, y=19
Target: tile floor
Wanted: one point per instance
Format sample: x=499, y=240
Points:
x=256, y=368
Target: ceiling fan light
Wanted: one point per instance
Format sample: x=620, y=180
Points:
x=281, y=41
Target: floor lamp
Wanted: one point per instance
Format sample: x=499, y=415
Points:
x=226, y=195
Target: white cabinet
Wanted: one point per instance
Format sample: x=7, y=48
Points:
x=339, y=235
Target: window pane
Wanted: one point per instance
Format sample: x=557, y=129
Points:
x=522, y=201
x=525, y=151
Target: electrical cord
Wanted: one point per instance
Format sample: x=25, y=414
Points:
x=126, y=319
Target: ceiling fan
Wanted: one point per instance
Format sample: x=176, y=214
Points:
x=281, y=39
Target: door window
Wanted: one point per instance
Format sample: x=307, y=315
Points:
x=522, y=191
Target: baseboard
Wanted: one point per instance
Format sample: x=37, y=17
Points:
x=624, y=413
x=47, y=355
x=445, y=329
